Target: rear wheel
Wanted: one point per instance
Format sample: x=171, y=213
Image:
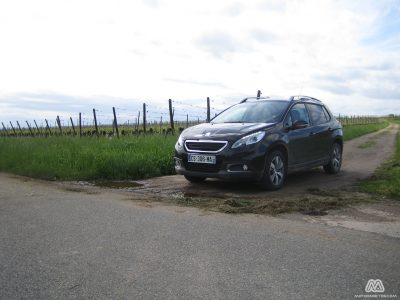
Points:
x=194, y=179
x=335, y=161
x=275, y=171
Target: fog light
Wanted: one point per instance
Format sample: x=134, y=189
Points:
x=245, y=168
x=177, y=163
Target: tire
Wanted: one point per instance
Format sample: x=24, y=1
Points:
x=274, y=172
x=335, y=160
x=194, y=179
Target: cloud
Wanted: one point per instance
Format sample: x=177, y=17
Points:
x=330, y=77
x=219, y=44
x=195, y=82
x=157, y=50
x=272, y=5
x=380, y=66
x=39, y=106
x=386, y=27
x=234, y=9
x=382, y=91
x=152, y=3
x=263, y=36
x=337, y=88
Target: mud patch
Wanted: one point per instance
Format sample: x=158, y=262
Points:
x=116, y=184
x=367, y=144
x=315, y=212
x=381, y=217
x=315, y=202
x=79, y=190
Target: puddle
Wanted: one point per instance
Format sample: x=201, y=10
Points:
x=314, y=212
x=116, y=184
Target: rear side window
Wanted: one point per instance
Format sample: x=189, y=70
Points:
x=317, y=114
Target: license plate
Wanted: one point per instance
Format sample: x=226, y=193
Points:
x=202, y=159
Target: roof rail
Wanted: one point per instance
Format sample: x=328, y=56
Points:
x=254, y=98
x=302, y=97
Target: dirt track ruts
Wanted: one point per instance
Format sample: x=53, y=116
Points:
x=361, y=157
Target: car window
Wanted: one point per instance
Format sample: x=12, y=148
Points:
x=327, y=114
x=269, y=111
x=317, y=114
x=288, y=121
x=299, y=113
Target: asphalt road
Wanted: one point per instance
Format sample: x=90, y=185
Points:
x=57, y=244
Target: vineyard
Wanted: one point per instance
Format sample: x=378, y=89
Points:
x=171, y=120
x=115, y=145
x=104, y=124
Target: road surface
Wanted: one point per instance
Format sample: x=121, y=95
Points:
x=58, y=244
x=69, y=240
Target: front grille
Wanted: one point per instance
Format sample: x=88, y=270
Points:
x=205, y=146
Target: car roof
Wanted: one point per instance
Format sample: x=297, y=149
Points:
x=300, y=98
x=263, y=99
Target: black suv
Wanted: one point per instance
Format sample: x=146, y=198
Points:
x=262, y=139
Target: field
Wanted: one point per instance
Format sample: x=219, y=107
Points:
x=70, y=158
x=73, y=158
x=386, y=181
x=352, y=131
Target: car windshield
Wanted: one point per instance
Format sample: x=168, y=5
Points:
x=269, y=111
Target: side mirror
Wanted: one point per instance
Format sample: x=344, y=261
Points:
x=299, y=124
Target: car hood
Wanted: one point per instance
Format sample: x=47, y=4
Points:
x=222, y=131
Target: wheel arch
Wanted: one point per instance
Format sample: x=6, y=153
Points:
x=282, y=148
x=339, y=140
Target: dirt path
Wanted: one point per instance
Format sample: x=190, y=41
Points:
x=320, y=198
x=361, y=158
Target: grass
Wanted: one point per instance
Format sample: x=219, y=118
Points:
x=386, y=181
x=353, y=131
x=312, y=202
x=69, y=158
x=128, y=158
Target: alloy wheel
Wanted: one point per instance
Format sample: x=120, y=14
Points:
x=276, y=170
x=336, y=157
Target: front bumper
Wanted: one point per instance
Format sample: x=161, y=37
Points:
x=230, y=165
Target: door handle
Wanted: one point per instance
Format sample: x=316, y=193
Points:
x=312, y=133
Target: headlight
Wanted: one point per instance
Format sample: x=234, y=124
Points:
x=179, y=144
x=249, y=139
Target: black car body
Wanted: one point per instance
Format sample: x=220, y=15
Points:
x=262, y=139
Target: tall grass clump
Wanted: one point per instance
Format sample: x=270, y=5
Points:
x=71, y=158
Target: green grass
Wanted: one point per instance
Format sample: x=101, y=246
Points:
x=353, y=131
x=128, y=158
x=70, y=158
x=386, y=180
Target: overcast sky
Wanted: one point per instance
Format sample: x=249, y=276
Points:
x=61, y=57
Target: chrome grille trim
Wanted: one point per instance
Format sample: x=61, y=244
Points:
x=223, y=145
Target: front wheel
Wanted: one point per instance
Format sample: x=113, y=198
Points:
x=275, y=171
x=335, y=161
x=194, y=179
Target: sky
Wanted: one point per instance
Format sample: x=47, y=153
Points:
x=64, y=57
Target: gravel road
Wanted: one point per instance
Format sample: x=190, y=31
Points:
x=98, y=244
